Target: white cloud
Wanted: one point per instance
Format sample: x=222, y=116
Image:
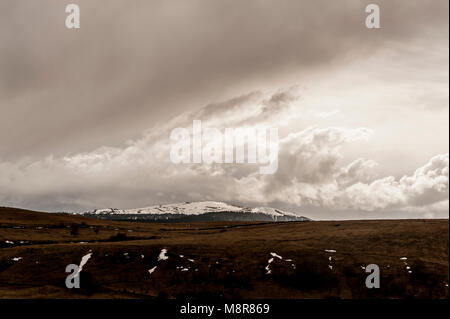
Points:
x=311, y=170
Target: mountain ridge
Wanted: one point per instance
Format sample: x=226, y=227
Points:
x=209, y=210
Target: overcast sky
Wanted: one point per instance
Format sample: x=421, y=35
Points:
x=86, y=114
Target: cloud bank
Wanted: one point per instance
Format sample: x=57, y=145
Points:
x=312, y=172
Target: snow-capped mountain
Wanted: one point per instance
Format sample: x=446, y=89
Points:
x=197, y=211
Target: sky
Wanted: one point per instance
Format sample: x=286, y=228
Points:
x=362, y=114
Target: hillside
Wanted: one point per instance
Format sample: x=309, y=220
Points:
x=220, y=260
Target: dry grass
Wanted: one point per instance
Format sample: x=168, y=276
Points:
x=229, y=258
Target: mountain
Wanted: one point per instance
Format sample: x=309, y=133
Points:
x=196, y=212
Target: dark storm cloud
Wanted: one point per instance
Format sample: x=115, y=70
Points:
x=135, y=63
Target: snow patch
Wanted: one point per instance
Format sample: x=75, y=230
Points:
x=150, y=271
x=268, y=271
x=162, y=255
x=83, y=262
x=277, y=256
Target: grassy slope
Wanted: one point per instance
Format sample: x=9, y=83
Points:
x=230, y=261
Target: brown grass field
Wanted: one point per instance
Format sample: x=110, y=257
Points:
x=221, y=260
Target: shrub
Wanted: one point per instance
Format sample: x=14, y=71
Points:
x=75, y=230
x=118, y=237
